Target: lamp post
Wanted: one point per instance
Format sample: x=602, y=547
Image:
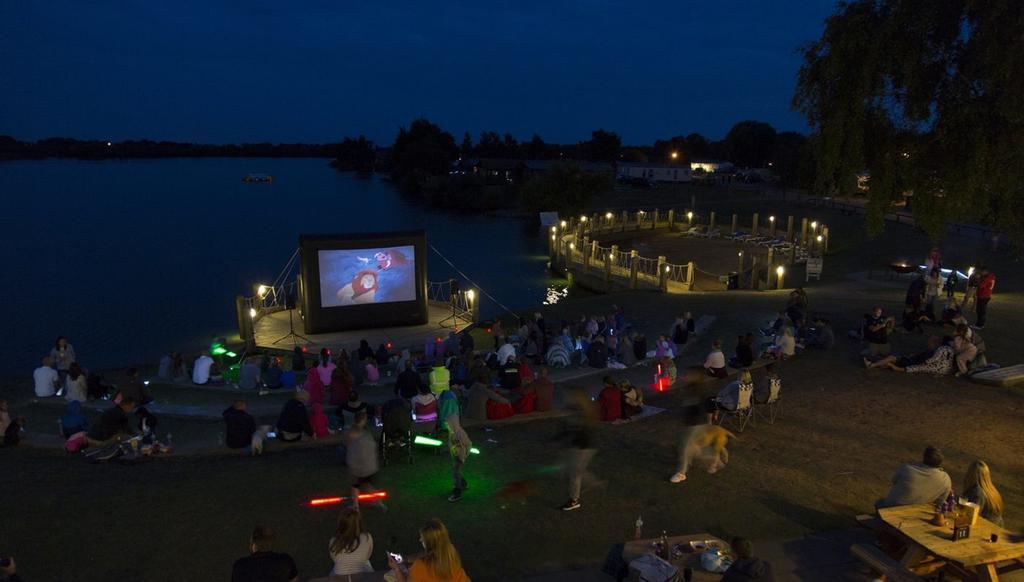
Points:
x=771, y=228
x=689, y=219
x=781, y=272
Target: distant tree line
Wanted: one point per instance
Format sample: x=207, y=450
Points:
x=349, y=154
x=425, y=158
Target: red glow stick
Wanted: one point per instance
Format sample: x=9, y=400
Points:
x=321, y=501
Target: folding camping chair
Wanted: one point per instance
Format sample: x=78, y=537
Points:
x=774, y=402
x=744, y=411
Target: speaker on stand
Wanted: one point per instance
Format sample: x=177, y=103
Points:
x=453, y=300
x=290, y=305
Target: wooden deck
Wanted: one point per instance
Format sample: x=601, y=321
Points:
x=272, y=327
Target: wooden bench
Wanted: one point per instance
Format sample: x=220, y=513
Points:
x=889, y=568
x=1008, y=376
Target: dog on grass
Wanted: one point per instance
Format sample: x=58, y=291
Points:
x=706, y=442
x=258, y=436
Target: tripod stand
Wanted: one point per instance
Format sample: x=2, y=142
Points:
x=453, y=287
x=291, y=330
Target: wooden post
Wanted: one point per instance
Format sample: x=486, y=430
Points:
x=824, y=242
x=789, y=229
x=781, y=282
x=711, y=222
x=662, y=273
x=625, y=219
x=634, y=266
x=753, y=273
x=691, y=269
x=608, y=265
x=768, y=268
x=739, y=267
x=735, y=222
x=672, y=219
x=654, y=220
x=593, y=250
x=639, y=218
x=753, y=225
x=803, y=232
x=615, y=257
x=586, y=253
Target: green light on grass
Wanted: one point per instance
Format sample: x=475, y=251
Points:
x=422, y=440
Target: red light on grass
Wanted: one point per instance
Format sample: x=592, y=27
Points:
x=489, y=330
x=322, y=501
x=389, y=345
x=437, y=340
x=304, y=349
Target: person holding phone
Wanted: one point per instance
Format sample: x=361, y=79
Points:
x=440, y=561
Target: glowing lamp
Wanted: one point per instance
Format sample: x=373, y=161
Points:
x=609, y=256
x=689, y=215
x=583, y=219
x=230, y=354
x=304, y=349
x=554, y=229
x=771, y=219
x=666, y=268
x=437, y=339
x=552, y=237
x=739, y=254
x=252, y=312
x=780, y=270
x=814, y=224
x=572, y=246
x=388, y=345
x=490, y=329
x=609, y=216
x=470, y=295
x=820, y=238
x=262, y=291
x=564, y=224
x=675, y=155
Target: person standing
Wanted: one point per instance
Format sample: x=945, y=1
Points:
x=458, y=445
x=63, y=355
x=933, y=284
x=361, y=459
x=580, y=430
x=986, y=284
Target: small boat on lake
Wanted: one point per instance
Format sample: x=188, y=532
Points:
x=258, y=178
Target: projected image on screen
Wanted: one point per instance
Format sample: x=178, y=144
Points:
x=362, y=276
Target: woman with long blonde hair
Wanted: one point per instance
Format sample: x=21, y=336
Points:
x=978, y=488
x=439, y=563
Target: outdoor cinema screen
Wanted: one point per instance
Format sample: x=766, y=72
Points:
x=360, y=276
x=359, y=281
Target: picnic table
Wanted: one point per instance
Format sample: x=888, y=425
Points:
x=636, y=548
x=976, y=556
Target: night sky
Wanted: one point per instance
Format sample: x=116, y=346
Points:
x=314, y=71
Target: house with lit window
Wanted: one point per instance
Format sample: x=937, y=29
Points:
x=711, y=166
x=653, y=172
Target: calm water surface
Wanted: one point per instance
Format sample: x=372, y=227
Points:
x=132, y=258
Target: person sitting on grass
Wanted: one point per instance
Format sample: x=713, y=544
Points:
x=318, y=421
x=951, y=312
x=147, y=425
x=239, y=426
x=372, y=372
x=407, y=384
x=352, y=546
x=510, y=378
x=263, y=564
x=135, y=388
x=249, y=375
x=597, y=353
x=294, y=419
x=73, y=421
x=632, y=399
x=965, y=349
x=424, y=405
x=439, y=562
x=903, y=361
x=919, y=483
x=342, y=383
x=823, y=338
x=272, y=377
x=204, y=371
x=744, y=352
x=347, y=413
x=784, y=346
x=113, y=425
x=876, y=332
x=610, y=399
x=525, y=398
x=746, y=566
x=76, y=386
x=714, y=364
x=978, y=488
x=46, y=379
x=545, y=391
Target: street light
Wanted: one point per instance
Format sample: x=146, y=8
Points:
x=583, y=218
x=771, y=218
x=564, y=224
x=689, y=215
x=261, y=291
x=675, y=155
x=554, y=229
x=609, y=215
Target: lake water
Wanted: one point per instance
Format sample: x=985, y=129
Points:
x=129, y=259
